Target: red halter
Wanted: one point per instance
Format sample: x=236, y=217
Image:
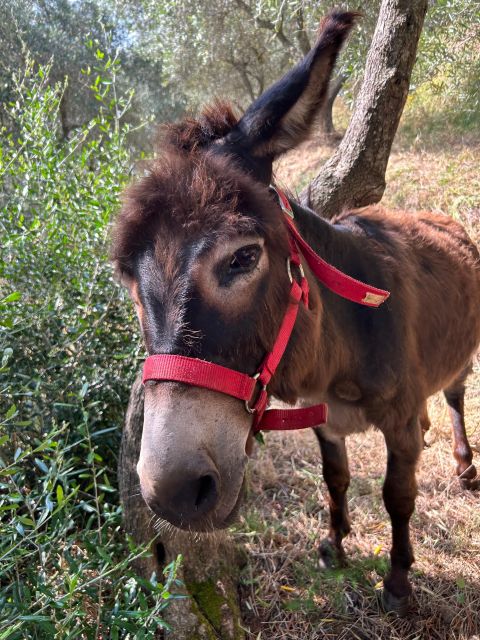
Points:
x=201, y=373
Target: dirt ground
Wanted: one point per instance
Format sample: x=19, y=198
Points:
x=285, y=594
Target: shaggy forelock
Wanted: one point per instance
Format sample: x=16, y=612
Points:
x=214, y=122
x=187, y=196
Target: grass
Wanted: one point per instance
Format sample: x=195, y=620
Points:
x=285, y=595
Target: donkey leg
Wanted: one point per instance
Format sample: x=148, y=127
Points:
x=424, y=422
x=399, y=493
x=337, y=478
x=455, y=395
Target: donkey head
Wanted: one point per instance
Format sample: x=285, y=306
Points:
x=201, y=248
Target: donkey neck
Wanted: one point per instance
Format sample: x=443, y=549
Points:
x=335, y=243
x=344, y=326
x=351, y=246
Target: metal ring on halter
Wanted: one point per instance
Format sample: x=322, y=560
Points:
x=289, y=269
x=247, y=405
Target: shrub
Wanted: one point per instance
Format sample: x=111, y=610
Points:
x=68, y=351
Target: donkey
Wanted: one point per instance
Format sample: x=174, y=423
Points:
x=201, y=245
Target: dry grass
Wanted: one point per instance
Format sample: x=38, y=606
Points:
x=285, y=595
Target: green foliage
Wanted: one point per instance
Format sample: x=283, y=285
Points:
x=55, y=32
x=448, y=65
x=181, y=54
x=68, y=351
x=236, y=48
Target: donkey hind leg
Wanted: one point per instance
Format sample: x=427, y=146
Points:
x=337, y=478
x=455, y=395
x=399, y=493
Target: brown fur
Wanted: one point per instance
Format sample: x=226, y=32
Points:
x=184, y=197
x=214, y=122
x=435, y=269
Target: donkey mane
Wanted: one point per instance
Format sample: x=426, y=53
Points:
x=207, y=170
x=214, y=122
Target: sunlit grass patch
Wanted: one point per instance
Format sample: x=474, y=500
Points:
x=446, y=180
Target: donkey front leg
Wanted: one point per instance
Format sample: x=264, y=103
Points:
x=399, y=493
x=337, y=478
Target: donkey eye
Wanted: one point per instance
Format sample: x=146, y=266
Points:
x=244, y=259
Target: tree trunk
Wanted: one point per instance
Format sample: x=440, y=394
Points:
x=301, y=35
x=210, y=567
x=62, y=111
x=325, y=119
x=355, y=174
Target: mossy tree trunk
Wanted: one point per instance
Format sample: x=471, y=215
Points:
x=211, y=564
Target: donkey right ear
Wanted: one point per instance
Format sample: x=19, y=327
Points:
x=281, y=117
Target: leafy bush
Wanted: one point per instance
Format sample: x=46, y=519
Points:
x=68, y=351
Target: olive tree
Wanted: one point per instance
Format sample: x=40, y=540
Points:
x=67, y=36
x=242, y=46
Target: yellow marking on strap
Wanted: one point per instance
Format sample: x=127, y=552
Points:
x=374, y=298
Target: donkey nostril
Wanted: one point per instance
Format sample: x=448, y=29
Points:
x=206, y=492
x=182, y=496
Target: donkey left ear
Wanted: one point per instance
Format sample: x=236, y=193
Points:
x=282, y=116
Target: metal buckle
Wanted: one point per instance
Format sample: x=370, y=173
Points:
x=289, y=269
x=247, y=402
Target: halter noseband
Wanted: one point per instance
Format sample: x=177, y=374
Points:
x=253, y=389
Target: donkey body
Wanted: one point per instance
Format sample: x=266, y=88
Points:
x=202, y=248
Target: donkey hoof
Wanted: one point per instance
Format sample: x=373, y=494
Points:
x=470, y=484
x=469, y=479
x=331, y=557
x=395, y=604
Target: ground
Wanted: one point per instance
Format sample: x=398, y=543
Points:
x=284, y=593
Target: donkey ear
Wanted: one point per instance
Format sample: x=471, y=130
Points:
x=282, y=116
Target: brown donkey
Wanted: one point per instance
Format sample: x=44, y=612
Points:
x=201, y=245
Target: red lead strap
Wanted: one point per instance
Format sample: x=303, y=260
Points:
x=239, y=385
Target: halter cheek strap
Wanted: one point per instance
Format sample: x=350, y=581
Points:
x=253, y=389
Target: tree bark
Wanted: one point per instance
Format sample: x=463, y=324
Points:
x=355, y=174
x=325, y=120
x=210, y=566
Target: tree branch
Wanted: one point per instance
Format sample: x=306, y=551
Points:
x=241, y=69
x=326, y=113
x=301, y=34
x=355, y=174
x=265, y=24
